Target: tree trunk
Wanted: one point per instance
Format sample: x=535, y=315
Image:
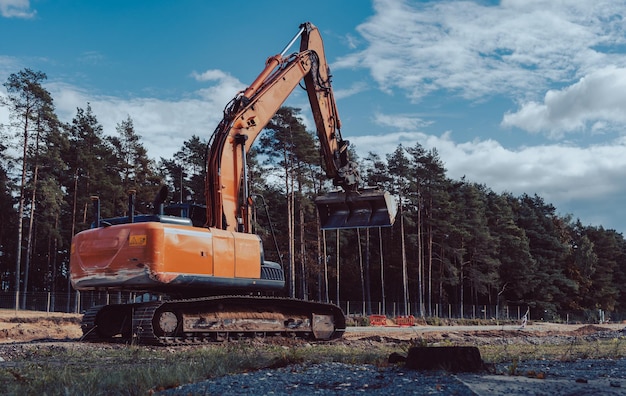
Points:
x=29, y=241
x=319, y=260
x=382, y=269
x=326, y=293
x=289, y=192
x=358, y=237
x=430, y=269
x=420, y=265
x=53, y=285
x=292, y=242
x=405, y=280
x=20, y=216
x=304, y=294
x=337, y=254
x=368, y=292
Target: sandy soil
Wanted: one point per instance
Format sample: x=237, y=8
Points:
x=480, y=335
x=26, y=326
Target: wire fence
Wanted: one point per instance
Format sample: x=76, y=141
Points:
x=73, y=302
x=79, y=302
x=478, y=312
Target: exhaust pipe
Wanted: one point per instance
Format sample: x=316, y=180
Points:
x=131, y=205
x=95, y=200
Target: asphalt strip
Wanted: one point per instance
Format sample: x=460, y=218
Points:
x=495, y=385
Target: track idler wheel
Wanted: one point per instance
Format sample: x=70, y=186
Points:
x=166, y=323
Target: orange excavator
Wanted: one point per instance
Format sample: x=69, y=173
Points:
x=203, y=261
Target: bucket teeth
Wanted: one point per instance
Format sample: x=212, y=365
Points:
x=358, y=209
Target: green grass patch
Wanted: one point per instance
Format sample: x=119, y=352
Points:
x=139, y=370
x=95, y=369
x=576, y=348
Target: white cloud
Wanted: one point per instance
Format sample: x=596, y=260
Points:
x=212, y=75
x=91, y=57
x=562, y=61
x=596, y=102
x=4, y=118
x=575, y=179
x=162, y=124
x=352, y=41
x=517, y=47
x=7, y=65
x=404, y=122
x=16, y=9
x=354, y=89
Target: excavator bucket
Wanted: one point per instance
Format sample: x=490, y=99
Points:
x=359, y=209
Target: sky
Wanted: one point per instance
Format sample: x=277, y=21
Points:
x=523, y=96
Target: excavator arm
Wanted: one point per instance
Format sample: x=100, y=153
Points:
x=250, y=111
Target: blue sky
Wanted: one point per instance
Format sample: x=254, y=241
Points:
x=524, y=96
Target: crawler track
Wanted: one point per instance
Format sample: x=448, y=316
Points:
x=209, y=319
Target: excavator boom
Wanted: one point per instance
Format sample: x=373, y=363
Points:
x=250, y=111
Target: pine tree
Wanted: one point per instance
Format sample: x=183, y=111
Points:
x=605, y=258
x=28, y=101
x=136, y=170
x=541, y=225
x=46, y=202
x=8, y=217
x=293, y=151
x=375, y=173
x=511, y=246
x=95, y=170
x=185, y=173
x=399, y=167
x=484, y=267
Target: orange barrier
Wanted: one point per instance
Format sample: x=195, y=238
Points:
x=405, y=320
x=378, y=320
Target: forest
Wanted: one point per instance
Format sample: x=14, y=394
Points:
x=454, y=242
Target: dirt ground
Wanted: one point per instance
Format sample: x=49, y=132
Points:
x=22, y=330
x=481, y=335
x=27, y=326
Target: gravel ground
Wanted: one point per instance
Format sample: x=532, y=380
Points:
x=600, y=377
x=585, y=377
x=328, y=379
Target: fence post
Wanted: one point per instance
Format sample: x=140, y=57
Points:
x=48, y=304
